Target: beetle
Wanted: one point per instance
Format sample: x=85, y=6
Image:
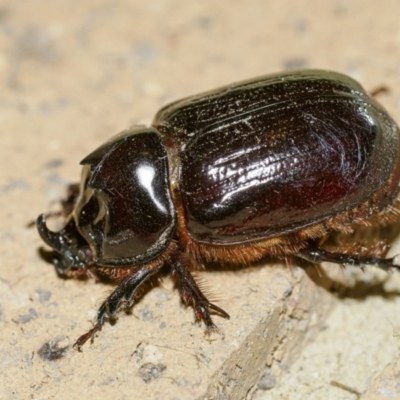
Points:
x=265, y=167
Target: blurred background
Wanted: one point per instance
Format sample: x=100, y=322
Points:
x=74, y=73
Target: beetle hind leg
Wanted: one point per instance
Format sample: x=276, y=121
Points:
x=123, y=293
x=191, y=293
x=318, y=255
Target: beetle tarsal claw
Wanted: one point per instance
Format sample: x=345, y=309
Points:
x=85, y=337
x=213, y=330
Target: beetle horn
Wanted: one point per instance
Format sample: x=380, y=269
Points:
x=53, y=239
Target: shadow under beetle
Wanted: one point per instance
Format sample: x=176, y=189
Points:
x=265, y=167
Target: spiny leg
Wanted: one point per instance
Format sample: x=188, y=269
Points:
x=318, y=255
x=67, y=203
x=124, y=292
x=191, y=293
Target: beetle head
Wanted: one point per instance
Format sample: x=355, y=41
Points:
x=124, y=215
x=71, y=250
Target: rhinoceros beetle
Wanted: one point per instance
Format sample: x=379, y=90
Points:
x=265, y=167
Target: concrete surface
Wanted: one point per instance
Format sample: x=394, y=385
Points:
x=349, y=355
x=72, y=74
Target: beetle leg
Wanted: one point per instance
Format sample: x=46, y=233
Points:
x=318, y=255
x=124, y=292
x=67, y=204
x=191, y=292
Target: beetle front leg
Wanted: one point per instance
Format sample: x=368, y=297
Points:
x=318, y=255
x=67, y=204
x=191, y=293
x=124, y=292
x=70, y=200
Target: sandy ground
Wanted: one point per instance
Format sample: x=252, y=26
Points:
x=72, y=74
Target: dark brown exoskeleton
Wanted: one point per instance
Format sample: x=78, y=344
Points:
x=266, y=167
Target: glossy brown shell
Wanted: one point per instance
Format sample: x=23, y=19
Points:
x=274, y=155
